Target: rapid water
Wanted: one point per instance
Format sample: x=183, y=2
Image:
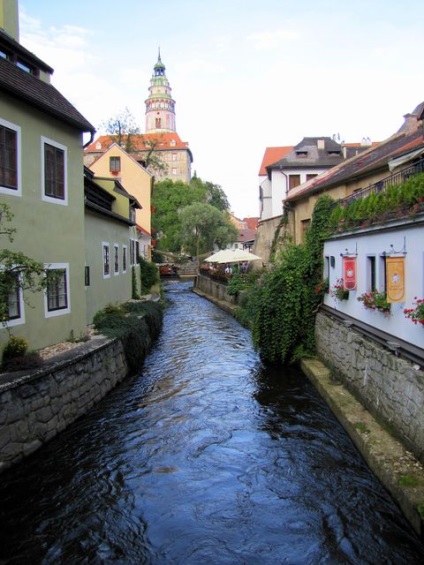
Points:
x=204, y=458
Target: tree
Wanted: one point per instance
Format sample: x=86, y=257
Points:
x=17, y=271
x=122, y=127
x=203, y=226
x=170, y=197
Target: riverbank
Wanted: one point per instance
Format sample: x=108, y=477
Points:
x=396, y=467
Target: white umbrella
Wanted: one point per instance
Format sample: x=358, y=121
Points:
x=236, y=256
x=215, y=257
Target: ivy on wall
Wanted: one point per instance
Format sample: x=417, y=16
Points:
x=283, y=305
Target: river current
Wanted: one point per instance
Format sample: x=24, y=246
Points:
x=204, y=458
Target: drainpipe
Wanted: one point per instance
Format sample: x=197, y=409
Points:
x=92, y=132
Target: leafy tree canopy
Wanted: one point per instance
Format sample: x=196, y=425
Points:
x=170, y=197
x=203, y=226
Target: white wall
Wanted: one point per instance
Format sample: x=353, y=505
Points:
x=373, y=243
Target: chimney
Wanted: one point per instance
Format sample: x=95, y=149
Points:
x=321, y=143
x=9, y=18
x=410, y=124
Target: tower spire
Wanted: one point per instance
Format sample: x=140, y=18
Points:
x=160, y=107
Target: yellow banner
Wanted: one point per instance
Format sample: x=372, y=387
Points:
x=395, y=279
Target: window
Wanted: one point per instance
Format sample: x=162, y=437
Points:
x=371, y=274
x=10, y=158
x=87, y=275
x=311, y=176
x=304, y=226
x=137, y=251
x=124, y=258
x=132, y=252
x=174, y=156
x=57, y=299
x=54, y=158
x=116, y=259
x=174, y=171
x=106, y=260
x=114, y=164
x=15, y=305
x=294, y=180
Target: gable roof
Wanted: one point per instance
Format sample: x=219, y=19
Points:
x=115, y=146
x=42, y=95
x=374, y=159
x=272, y=155
x=311, y=152
x=141, y=142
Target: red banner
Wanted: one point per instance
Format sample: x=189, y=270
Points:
x=349, y=273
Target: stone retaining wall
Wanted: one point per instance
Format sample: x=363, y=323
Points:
x=35, y=407
x=391, y=388
x=214, y=289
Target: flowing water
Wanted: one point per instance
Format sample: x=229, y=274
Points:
x=205, y=457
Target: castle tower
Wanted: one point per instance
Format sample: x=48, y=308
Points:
x=160, y=107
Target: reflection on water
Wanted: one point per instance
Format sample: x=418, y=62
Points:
x=204, y=458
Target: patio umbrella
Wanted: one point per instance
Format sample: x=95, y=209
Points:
x=236, y=256
x=215, y=258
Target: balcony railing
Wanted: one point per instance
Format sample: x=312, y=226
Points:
x=382, y=185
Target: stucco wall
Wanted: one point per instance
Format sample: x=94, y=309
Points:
x=49, y=232
x=34, y=408
x=390, y=387
x=264, y=237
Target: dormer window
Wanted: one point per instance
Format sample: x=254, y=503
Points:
x=301, y=153
x=172, y=143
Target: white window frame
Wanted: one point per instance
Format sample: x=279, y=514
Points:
x=61, y=311
x=115, y=259
x=21, y=320
x=105, y=244
x=61, y=201
x=18, y=190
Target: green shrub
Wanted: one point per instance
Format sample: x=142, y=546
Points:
x=16, y=357
x=136, y=324
x=148, y=274
x=15, y=347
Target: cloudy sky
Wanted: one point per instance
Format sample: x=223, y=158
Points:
x=245, y=74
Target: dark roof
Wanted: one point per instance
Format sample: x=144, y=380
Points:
x=10, y=45
x=374, y=159
x=308, y=153
x=38, y=93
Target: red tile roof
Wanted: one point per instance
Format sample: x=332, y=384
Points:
x=140, y=142
x=272, y=155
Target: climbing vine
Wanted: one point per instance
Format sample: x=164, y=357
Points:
x=284, y=304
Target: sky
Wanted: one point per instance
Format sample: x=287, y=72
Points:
x=245, y=74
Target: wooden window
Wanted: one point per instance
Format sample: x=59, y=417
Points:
x=57, y=290
x=114, y=164
x=54, y=172
x=116, y=259
x=294, y=180
x=8, y=158
x=106, y=260
x=124, y=258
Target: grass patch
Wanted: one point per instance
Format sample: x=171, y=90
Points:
x=361, y=427
x=408, y=481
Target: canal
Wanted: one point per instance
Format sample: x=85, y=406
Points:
x=204, y=458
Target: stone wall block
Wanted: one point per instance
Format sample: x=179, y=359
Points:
x=389, y=386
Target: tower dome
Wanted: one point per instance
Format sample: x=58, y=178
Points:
x=160, y=106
